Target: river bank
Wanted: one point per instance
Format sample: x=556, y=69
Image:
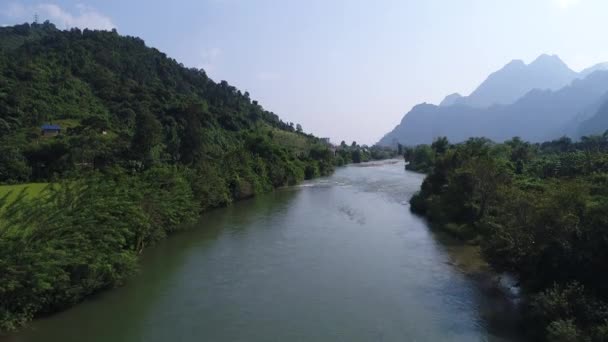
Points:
x=337, y=258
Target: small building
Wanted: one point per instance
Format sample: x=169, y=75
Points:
x=49, y=130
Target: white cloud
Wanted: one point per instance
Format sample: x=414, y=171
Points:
x=267, y=76
x=83, y=16
x=212, y=53
x=208, y=58
x=565, y=4
x=13, y=10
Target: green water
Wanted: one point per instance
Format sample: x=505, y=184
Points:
x=336, y=259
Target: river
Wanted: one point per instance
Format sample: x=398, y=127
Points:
x=335, y=259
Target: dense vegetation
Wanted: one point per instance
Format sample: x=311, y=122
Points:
x=122, y=104
x=354, y=153
x=538, y=211
x=146, y=146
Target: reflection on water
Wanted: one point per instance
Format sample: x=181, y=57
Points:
x=335, y=259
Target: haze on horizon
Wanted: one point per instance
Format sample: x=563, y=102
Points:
x=344, y=69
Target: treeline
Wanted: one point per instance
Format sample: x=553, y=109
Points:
x=82, y=236
x=83, y=233
x=538, y=211
x=355, y=153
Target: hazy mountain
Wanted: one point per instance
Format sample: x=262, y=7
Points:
x=451, y=100
x=537, y=116
x=594, y=124
x=592, y=69
x=427, y=121
x=515, y=79
x=574, y=128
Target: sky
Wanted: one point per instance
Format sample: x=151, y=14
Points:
x=344, y=69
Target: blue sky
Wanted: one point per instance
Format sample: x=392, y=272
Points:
x=344, y=69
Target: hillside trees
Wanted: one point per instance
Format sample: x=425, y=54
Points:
x=146, y=146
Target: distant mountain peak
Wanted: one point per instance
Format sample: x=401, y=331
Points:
x=546, y=57
x=515, y=63
x=535, y=101
x=515, y=79
x=450, y=100
x=539, y=115
x=597, y=67
x=549, y=61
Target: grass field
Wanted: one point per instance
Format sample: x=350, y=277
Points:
x=291, y=141
x=32, y=189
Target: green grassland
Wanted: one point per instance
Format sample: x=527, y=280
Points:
x=13, y=191
x=297, y=143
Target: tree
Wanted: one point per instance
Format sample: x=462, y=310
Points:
x=13, y=165
x=440, y=145
x=147, y=135
x=191, y=134
x=487, y=176
x=356, y=156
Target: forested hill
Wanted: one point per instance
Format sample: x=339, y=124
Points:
x=136, y=146
x=121, y=103
x=50, y=74
x=99, y=81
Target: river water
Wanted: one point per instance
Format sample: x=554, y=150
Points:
x=335, y=259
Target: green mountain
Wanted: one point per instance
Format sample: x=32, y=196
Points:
x=121, y=103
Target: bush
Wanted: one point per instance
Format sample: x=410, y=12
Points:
x=82, y=237
x=563, y=331
x=418, y=204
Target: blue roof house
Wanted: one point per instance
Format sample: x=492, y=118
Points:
x=49, y=130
